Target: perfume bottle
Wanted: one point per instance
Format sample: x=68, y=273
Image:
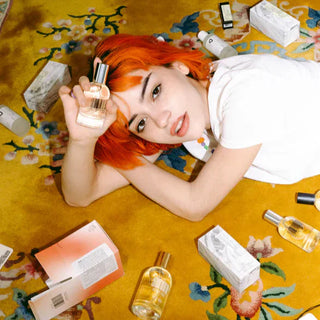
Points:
x=93, y=114
x=295, y=231
x=216, y=45
x=153, y=290
x=309, y=198
x=14, y=122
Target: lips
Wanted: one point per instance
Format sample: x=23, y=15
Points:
x=180, y=126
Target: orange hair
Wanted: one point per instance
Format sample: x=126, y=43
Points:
x=123, y=53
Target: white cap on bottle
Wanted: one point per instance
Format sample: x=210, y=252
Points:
x=202, y=35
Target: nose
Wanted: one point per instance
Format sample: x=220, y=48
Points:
x=162, y=118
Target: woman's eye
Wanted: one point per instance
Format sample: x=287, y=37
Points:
x=141, y=125
x=156, y=91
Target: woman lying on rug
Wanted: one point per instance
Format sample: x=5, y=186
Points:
x=264, y=112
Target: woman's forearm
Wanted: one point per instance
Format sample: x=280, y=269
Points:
x=79, y=172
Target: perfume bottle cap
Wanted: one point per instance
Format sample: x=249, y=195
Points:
x=272, y=217
x=163, y=259
x=101, y=73
x=202, y=35
x=305, y=198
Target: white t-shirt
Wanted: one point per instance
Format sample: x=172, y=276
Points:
x=265, y=99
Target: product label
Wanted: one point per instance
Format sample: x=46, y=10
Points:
x=95, y=265
x=5, y=253
x=161, y=285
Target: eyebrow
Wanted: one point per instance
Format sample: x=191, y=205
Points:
x=144, y=87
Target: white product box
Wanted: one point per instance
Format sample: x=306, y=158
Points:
x=229, y=258
x=274, y=23
x=43, y=91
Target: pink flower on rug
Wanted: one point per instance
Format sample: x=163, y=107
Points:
x=314, y=38
x=262, y=248
x=31, y=272
x=49, y=180
x=187, y=42
x=247, y=303
x=29, y=159
x=91, y=40
x=77, y=32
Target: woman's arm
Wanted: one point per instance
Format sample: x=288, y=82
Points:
x=194, y=200
x=83, y=179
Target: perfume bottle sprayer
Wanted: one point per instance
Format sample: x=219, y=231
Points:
x=309, y=198
x=153, y=290
x=216, y=45
x=295, y=231
x=93, y=114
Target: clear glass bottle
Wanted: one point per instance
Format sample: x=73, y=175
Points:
x=93, y=114
x=309, y=198
x=14, y=122
x=153, y=290
x=295, y=231
x=216, y=45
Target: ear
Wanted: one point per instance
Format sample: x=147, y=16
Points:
x=180, y=66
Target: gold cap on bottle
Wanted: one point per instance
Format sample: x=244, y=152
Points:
x=163, y=259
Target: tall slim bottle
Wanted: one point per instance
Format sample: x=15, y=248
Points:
x=295, y=231
x=93, y=114
x=153, y=290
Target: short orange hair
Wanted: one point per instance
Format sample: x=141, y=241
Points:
x=124, y=53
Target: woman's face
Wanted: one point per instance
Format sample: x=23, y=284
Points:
x=167, y=106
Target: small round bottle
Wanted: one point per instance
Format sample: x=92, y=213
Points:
x=216, y=45
x=309, y=198
x=93, y=114
x=153, y=290
x=14, y=122
x=297, y=232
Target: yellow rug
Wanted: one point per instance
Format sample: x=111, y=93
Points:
x=33, y=212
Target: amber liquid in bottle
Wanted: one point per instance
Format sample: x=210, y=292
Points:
x=295, y=231
x=153, y=291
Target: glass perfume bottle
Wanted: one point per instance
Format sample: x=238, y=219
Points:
x=216, y=45
x=93, y=114
x=295, y=231
x=14, y=122
x=309, y=198
x=153, y=290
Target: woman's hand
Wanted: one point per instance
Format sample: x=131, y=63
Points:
x=72, y=100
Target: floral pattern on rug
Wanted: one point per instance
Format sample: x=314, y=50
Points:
x=253, y=300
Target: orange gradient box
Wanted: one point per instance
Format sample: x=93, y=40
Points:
x=78, y=266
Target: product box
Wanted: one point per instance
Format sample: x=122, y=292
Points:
x=43, y=91
x=229, y=258
x=5, y=253
x=274, y=23
x=78, y=266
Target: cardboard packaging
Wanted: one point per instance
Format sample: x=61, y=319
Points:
x=78, y=266
x=229, y=258
x=42, y=94
x=5, y=253
x=274, y=23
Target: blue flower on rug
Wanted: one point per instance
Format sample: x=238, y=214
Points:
x=187, y=24
x=172, y=158
x=71, y=46
x=315, y=18
x=199, y=292
x=48, y=129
